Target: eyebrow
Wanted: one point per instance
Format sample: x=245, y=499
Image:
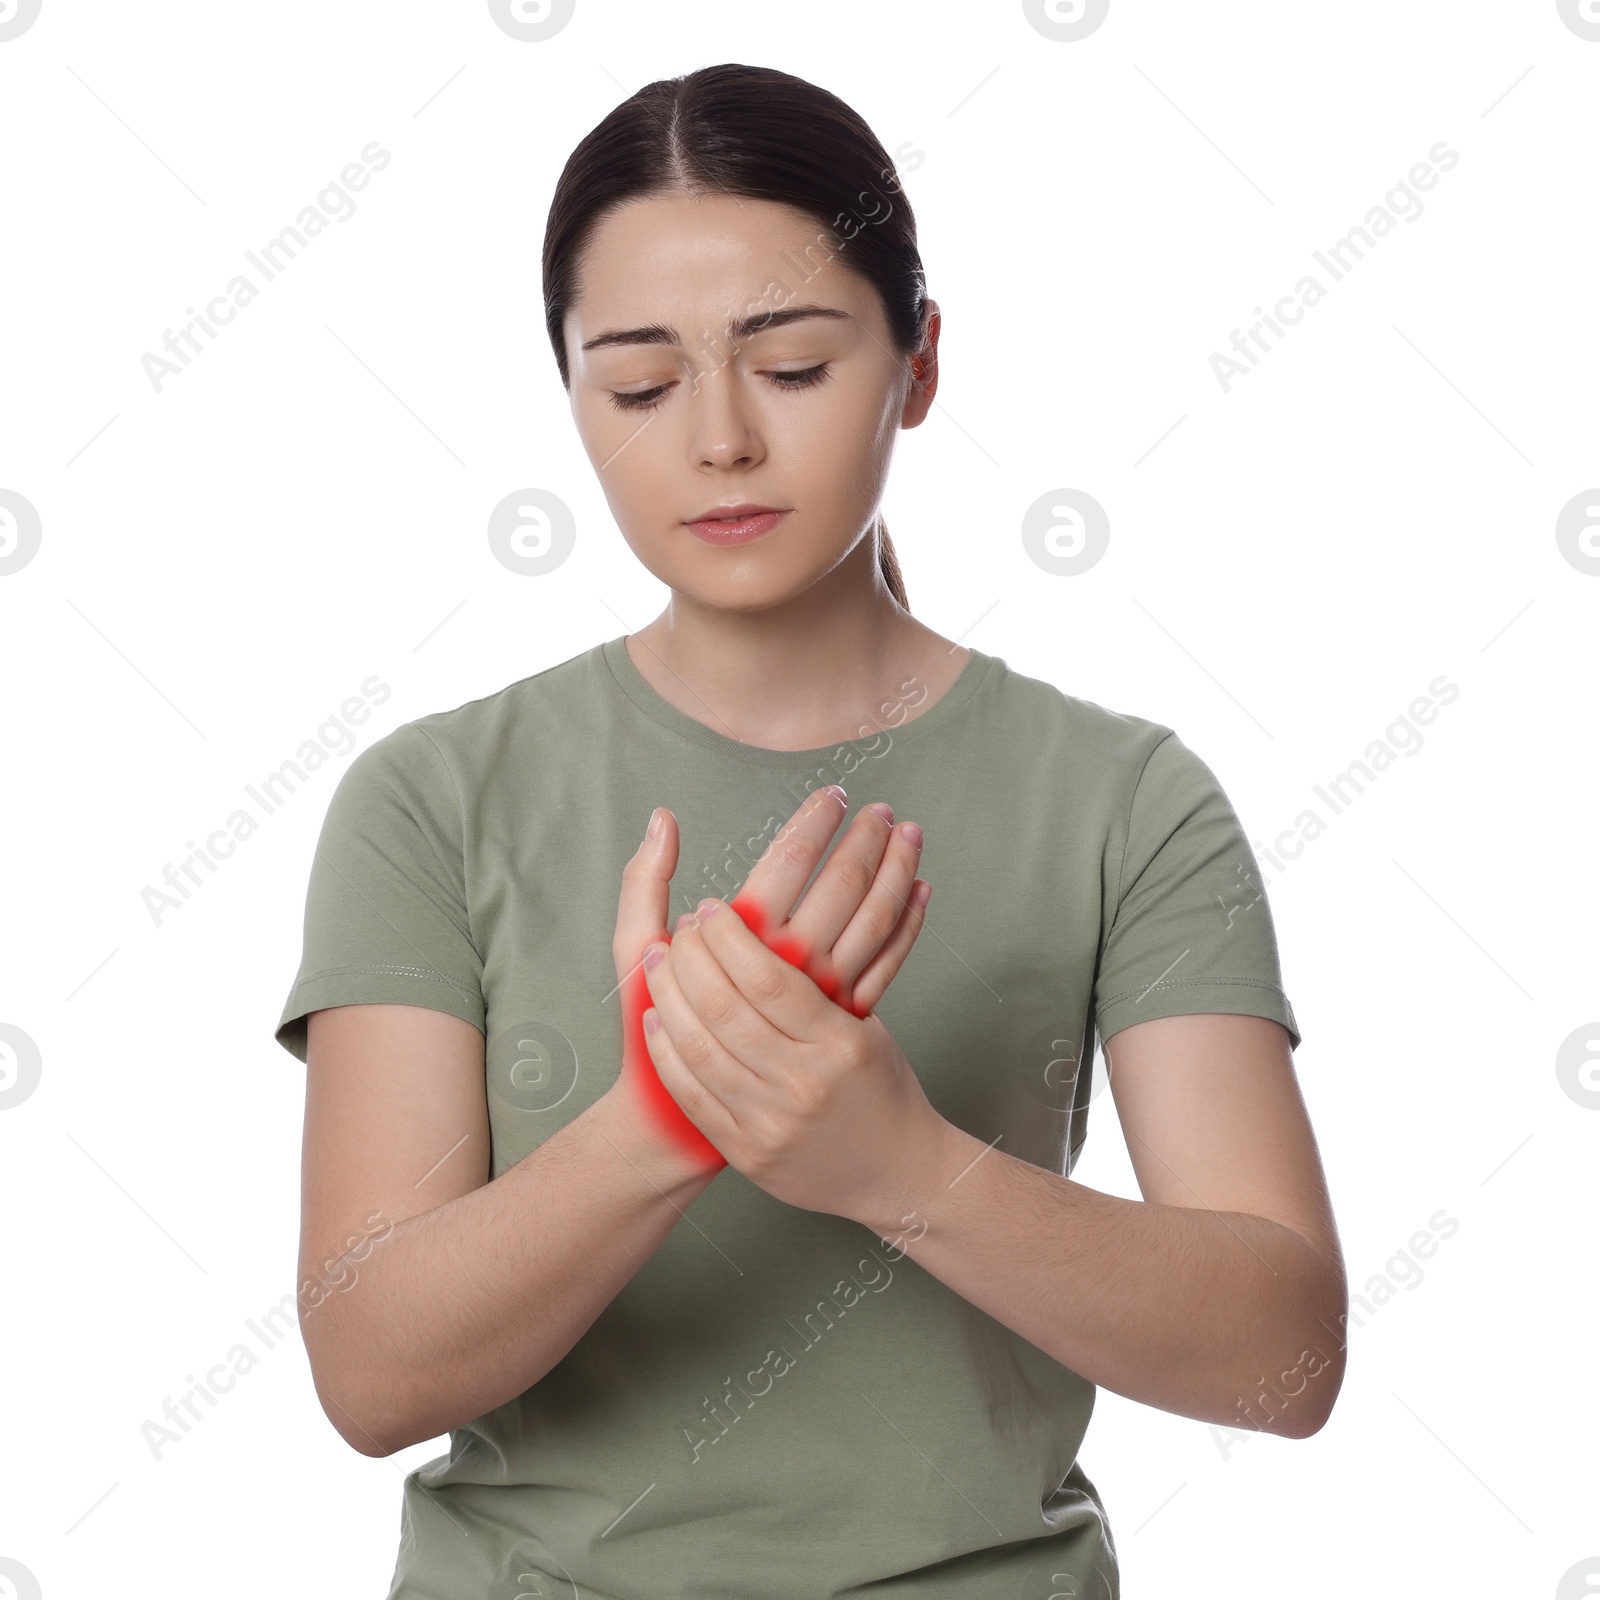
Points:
x=744, y=328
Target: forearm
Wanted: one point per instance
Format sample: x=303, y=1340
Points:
x=1217, y=1315
x=464, y=1307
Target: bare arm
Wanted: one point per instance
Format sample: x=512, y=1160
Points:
x=477, y=1289
x=430, y=1294
x=1220, y=1296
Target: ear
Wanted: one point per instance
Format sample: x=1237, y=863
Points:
x=924, y=364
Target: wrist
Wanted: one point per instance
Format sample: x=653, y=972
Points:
x=910, y=1188
x=632, y=1121
x=655, y=1122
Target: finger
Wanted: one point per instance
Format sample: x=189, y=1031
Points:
x=702, y=1107
x=741, y=1028
x=841, y=885
x=789, y=1000
x=779, y=877
x=862, y=923
x=646, y=890
x=879, y=973
x=695, y=1044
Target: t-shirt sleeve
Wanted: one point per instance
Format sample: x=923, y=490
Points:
x=1191, y=931
x=386, y=908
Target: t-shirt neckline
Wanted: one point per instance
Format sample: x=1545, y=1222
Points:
x=637, y=688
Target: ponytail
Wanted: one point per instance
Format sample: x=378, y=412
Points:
x=889, y=566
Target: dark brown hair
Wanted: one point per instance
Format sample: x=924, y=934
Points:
x=764, y=135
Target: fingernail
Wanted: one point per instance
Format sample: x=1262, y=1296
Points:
x=884, y=810
x=652, y=957
x=684, y=921
x=923, y=890
x=658, y=820
x=913, y=833
x=837, y=791
x=707, y=907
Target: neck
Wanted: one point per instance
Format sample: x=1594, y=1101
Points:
x=830, y=665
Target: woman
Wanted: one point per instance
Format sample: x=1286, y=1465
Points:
x=800, y=1300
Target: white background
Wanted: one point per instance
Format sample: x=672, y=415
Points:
x=1291, y=564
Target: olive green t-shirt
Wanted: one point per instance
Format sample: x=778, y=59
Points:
x=779, y=1403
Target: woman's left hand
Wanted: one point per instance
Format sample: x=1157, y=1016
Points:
x=812, y=1104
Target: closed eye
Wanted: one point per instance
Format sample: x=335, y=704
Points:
x=649, y=399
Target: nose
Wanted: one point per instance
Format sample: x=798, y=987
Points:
x=725, y=424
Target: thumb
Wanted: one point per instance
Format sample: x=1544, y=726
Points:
x=646, y=880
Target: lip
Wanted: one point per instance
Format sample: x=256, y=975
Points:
x=750, y=522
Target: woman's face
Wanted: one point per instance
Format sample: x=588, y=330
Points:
x=796, y=411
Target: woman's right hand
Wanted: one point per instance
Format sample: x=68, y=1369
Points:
x=852, y=931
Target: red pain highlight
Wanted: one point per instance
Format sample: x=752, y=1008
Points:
x=793, y=950
x=640, y=1071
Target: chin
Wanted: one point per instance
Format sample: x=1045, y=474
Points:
x=747, y=600
x=752, y=577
